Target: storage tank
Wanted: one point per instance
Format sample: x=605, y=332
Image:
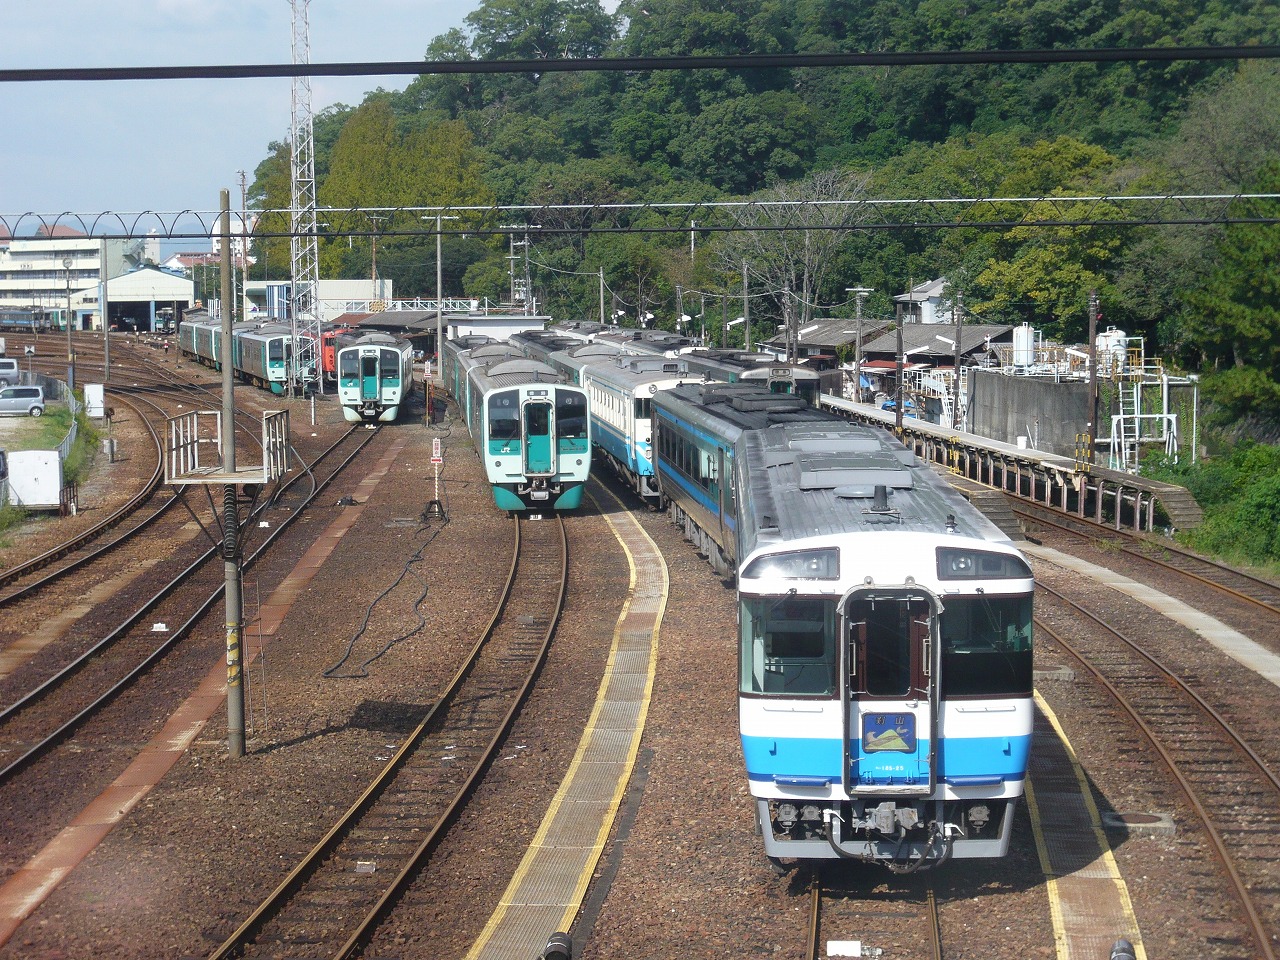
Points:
x=1024, y=346
x=1111, y=348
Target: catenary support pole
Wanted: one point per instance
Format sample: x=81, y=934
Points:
x=230, y=518
x=106, y=315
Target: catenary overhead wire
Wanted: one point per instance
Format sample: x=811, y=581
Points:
x=748, y=61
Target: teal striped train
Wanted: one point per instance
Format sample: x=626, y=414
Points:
x=529, y=427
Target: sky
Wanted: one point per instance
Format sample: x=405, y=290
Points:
x=172, y=145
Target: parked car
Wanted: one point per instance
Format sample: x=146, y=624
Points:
x=24, y=400
x=8, y=371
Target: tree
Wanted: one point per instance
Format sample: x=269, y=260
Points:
x=1235, y=323
x=790, y=237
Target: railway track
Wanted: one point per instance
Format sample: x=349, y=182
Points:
x=150, y=395
x=1165, y=555
x=847, y=918
x=80, y=686
x=331, y=903
x=1232, y=790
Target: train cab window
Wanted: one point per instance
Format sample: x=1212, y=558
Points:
x=571, y=415
x=504, y=415
x=348, y=364
x=369, y=365
x=537, y=419
x=275, y=350
x=888, y=635
x=986, y=646
x=788, y=646
x=644, y=408
x=389, y=364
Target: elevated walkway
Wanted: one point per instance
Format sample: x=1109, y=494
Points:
x=1062, y=483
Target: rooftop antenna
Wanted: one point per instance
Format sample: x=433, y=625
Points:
x=303, y=254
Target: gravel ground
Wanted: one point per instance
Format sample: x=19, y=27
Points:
x=683, y=874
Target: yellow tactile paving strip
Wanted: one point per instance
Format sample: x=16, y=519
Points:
x=31, y=884
x=549, y=885
x=1088, y=899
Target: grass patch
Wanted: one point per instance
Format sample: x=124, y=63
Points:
x=46, y=433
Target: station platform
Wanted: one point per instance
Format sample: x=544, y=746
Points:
x=1076, y=486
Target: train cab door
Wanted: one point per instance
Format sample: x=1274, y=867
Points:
x=369, y=389
x=891, y=671
x=538, y=416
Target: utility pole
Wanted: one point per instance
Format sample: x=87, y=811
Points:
x=602, y=295
x=71, y=353
x=230, y=515
x=955, y=393
x=860, y=294
x=746, y=309
x=106, y=314
x=440, y=219
x=786, y=319
x=1092, y=432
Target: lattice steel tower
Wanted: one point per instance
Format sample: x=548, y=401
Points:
x=304, y=312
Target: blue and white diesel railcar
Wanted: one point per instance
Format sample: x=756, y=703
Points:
x=620, y=392
x=528, y=425
x=725, y=364
x=375, y=376
x=885, y=656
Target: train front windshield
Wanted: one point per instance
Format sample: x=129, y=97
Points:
x=789, y=646
x=986, y=646
x=504, y=415
x=571, y=415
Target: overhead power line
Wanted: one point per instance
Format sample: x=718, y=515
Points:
x=748, y=61
x=991, y=213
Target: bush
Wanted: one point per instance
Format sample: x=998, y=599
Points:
x=1240, y=496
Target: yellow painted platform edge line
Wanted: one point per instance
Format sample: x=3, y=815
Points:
x=588, y=868
x=1095, y=819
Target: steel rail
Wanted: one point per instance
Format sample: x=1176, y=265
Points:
x=1093, y=530
x=40, y=692
x=298, y=877
x=1219, y=845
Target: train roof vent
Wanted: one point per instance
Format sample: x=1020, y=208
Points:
x=768, y=403
x=852, y=477
x=819, y=442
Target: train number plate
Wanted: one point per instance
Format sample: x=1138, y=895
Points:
x=889, y=732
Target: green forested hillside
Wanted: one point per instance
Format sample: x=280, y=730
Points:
x=1205, y=296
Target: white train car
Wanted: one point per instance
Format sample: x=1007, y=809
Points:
x=885, y=653
x=375, y=376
